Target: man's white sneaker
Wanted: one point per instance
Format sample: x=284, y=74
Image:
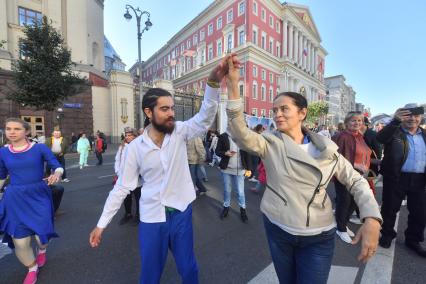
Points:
x=404, y=202
x=350, y=233
x=81, y=167
x=344, y=236
x=253, y=179
x=65, y=180
x=355, y=220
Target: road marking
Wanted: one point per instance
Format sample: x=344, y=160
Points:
x=105, y=176
x=338, y=275
x=379, y=269
x=4, y=250
x=77, y=165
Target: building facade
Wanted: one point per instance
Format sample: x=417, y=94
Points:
x=279, y=45
x=107, y=105
x=340, y=98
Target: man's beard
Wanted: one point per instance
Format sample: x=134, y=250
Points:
x=163, y=127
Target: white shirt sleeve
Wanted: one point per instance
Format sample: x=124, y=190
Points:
x=200, y=123
x=127, y=182
x=118, y=160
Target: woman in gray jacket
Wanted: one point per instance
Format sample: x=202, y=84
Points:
x=298, y=216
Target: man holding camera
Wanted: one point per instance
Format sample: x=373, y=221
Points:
x=403, y=169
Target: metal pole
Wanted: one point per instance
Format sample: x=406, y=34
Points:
x=142, y=116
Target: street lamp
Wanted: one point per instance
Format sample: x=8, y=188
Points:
x=148, y=24
x=59, y=117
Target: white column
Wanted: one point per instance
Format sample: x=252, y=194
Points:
x=305, y=58
x=312, y=65
x=315, y=63
x=285, y=39
x=308, y=66
x=300, y=49
x=289, y=85
x=290, y=42
x=296, y=46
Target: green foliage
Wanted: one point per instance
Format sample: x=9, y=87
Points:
x=316, y=110
x=43, y=74
x=2, y=42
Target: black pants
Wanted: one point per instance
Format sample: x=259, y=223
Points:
x=99, y=157
x=394, y=191
x=57, y=193
x=345, y=206
x=128, y=201
x=61, y=160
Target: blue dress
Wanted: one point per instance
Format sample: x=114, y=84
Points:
x=26, y=208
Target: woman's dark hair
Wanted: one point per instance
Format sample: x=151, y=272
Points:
x=299, y=100
x=150, y=100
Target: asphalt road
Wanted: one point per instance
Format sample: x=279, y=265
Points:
x=227, y=251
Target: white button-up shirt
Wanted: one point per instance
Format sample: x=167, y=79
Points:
x=166, y=180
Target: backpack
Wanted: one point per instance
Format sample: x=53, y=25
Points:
x=104, y=145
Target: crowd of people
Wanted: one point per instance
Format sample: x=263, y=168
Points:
x=162, y=168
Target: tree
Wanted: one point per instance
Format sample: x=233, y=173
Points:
x=316, y=110
x=43, y=74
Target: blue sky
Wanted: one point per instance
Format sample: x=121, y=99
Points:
x=379, y=46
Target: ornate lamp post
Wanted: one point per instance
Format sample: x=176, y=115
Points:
x=148, y=24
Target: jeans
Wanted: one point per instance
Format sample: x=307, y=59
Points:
x=57, y=193
x=155, y=240
x=237, y=184
x=202, y=172
x=99, y=157
x=300, y=259
x=61, y=161
x=345, y=206
x=195, y=175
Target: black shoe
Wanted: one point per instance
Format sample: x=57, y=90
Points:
x=385, y=242
x=243, y=214
x=224, y=213
x=416, y=247
x=202, y=192
x=125, y=219
x=205, y=179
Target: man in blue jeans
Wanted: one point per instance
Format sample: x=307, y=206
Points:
x=234, y=165
x=196, y=158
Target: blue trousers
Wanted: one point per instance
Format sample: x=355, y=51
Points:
x=156, y=239
x=300, y=259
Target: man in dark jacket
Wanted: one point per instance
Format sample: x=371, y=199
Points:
x=403, y=169
x=370, y=138
x=234, y=165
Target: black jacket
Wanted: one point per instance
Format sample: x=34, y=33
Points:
x=223, y=145
x=370, y=138
x=396, y=148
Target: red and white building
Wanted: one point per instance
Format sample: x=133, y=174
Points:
x=279, y=45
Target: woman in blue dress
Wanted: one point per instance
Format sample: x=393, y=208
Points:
x=26, y=207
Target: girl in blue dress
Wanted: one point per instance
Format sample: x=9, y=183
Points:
x=26, y=207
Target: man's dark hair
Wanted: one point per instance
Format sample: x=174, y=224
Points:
x=150, y=100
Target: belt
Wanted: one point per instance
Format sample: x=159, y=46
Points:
x=170, y=209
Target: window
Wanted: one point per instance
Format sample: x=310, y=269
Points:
x=263, y=92
x=271, y=45
x=271, y=95
x=242, y=37
x=271, y=78
x=28, y=17
x=254, y=93
x=254, y=111
x=254, y=8
x=210, y=55
x=219, y=23
x=262, y=113
x=271, y=113
x=263, y=15
x=219, y=48
x=188, y=64
x=278, y=27
x=278, y=92
x=254, y=71
x=263, y=74
x=242, y=70
x=263, y=44
x=203, y=55
x=188, y=44
x=241, y=8
x=271, y=21
x=229, y=42
x=229, y=16
x=202, y=35
x=255, y=37
x=241, y=90
x=278, y=54
x=182, y=48
x=210, y=30
x=195, y=39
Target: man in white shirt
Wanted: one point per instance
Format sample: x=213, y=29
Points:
x=159, y=156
